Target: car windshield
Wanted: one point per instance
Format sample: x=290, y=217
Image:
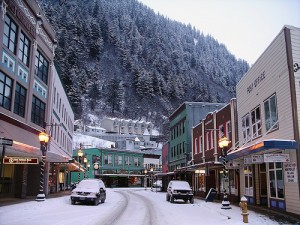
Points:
x=181, y=185
x=89, y=184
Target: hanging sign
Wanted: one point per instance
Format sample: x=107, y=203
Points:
x=20, y=160
x=290, y=172
x=277, y=157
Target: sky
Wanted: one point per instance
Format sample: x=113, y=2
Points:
x=59, y=211
x=246, y=27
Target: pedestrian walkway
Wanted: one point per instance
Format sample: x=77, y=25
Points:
x=11, y=200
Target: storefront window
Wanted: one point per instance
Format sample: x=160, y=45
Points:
x=248, y=180
x=231, y=182
x=276, y=180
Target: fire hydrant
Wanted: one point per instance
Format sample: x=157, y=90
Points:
x=244, y=207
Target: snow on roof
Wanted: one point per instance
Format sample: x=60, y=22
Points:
x=136, y=139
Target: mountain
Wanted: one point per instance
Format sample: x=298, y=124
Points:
x=120, y=58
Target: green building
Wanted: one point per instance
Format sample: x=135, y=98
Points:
x=117, y=168
x=186, y=116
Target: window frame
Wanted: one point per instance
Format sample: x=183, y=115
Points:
x=269, y=125
x=41, y=67
x=20, y=100
x=38, y=112
x=246, y=128
x=6, y=85
x=256, y=122
x=274, y=169
x=11, y=44
x=22, y=46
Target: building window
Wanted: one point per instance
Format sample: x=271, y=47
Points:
x=5, y=91
x=196, y=146
x=41, y=67
x=256, y=122
x=20, y=100
x=207, y=141
x=248, y=180
x=200, y=144
x=246, y=128
x=221, y=131
x=10, y=34
x=136, y=161
x=108, y=159
x=271, y=117
x=212, y=139
x=228, y=130
x=24, y=49
x=38, y=111
x=276, y=180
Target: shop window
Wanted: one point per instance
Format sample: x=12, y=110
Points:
x=246, y=128
x=256, y=122
x=276, y=180
x=271, y=117
x=248, y=180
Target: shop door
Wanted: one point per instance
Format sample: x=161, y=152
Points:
x=210, y=181
x=263, y=194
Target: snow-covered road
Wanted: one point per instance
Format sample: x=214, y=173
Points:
x=126, y=206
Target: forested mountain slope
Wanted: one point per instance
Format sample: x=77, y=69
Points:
x=120, y=58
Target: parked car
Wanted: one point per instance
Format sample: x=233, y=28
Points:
x=157, y=185
x=89, y=190
x=178, y=189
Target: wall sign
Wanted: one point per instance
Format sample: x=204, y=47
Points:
x=276, y=157
x=20, y=160
x=256, y=82
x=290, y=172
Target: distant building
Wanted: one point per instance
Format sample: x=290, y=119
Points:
x=122, y=126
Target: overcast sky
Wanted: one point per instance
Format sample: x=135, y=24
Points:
x=246, y=27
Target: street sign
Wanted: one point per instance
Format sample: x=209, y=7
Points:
x=5, y=141
x=20, y=160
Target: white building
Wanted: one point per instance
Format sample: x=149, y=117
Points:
x=122, y=126
x=268, y=105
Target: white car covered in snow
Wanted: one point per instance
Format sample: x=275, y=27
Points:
x=90, y=191
x=178, y=189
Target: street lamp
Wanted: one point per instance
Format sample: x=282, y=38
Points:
x=88, y=166
x=80, y=154
x=96, y=167
x=44, y=139
x=223, y=144
x=85, y=162
x=145, y=180
x=151, y=171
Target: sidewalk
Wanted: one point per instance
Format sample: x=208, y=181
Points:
x=4, y=201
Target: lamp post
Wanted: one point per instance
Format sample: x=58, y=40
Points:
x=223, y=144
x=85, y=162
x=96, y=167
x=151, y=171
x=145, y=180
x=88, y=166
x=80, y=154
x=44, y=139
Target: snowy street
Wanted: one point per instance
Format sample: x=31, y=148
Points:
x=125, y=206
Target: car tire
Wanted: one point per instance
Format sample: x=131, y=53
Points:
x=185, y=200
x=172, y=199
x=72, y=202
x=192, y=200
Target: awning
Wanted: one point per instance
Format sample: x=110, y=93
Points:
x=262, y=146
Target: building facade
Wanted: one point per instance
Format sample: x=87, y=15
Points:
x=268, y=103
x=182, y=120
x=208, y=168
x=117, y=168
x=26, y=86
